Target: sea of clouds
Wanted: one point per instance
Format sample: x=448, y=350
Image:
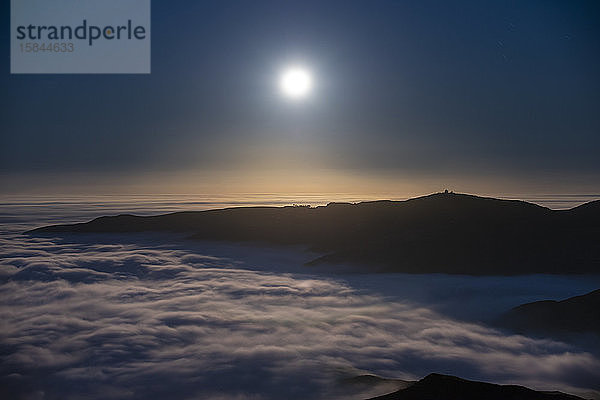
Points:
x=134, y=317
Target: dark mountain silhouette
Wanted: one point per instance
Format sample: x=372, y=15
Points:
x=444, y=232
x=445, y=387
x=580, y=314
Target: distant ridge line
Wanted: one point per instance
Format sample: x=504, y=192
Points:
x=441, y=232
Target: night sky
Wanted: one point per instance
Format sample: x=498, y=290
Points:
x=408, y=95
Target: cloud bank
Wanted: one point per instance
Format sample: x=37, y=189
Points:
x=96, y=320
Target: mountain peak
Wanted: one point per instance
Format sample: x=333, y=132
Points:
x=440, y=233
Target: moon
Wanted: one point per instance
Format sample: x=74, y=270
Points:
x=295, y=82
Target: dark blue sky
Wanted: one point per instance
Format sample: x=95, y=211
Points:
x=496, y=88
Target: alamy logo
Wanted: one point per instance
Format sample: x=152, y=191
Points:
x=82, y=32
x=80, y=36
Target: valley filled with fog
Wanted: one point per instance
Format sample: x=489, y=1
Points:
x=133, y=316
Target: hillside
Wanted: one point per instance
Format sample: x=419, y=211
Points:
x=444, y=232
x=580, y=314
x=445, y=387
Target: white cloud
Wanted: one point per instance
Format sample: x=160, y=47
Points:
x=129, y=321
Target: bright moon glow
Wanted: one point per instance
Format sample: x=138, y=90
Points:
x=295, y=83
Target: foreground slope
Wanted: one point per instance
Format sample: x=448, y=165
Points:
x=445, y=232
x=445, y=387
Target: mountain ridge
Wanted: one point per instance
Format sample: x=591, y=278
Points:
x=447, y=387
x=552, y=318
x=437, y=233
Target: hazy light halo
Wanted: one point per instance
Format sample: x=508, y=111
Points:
x=295, y=82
